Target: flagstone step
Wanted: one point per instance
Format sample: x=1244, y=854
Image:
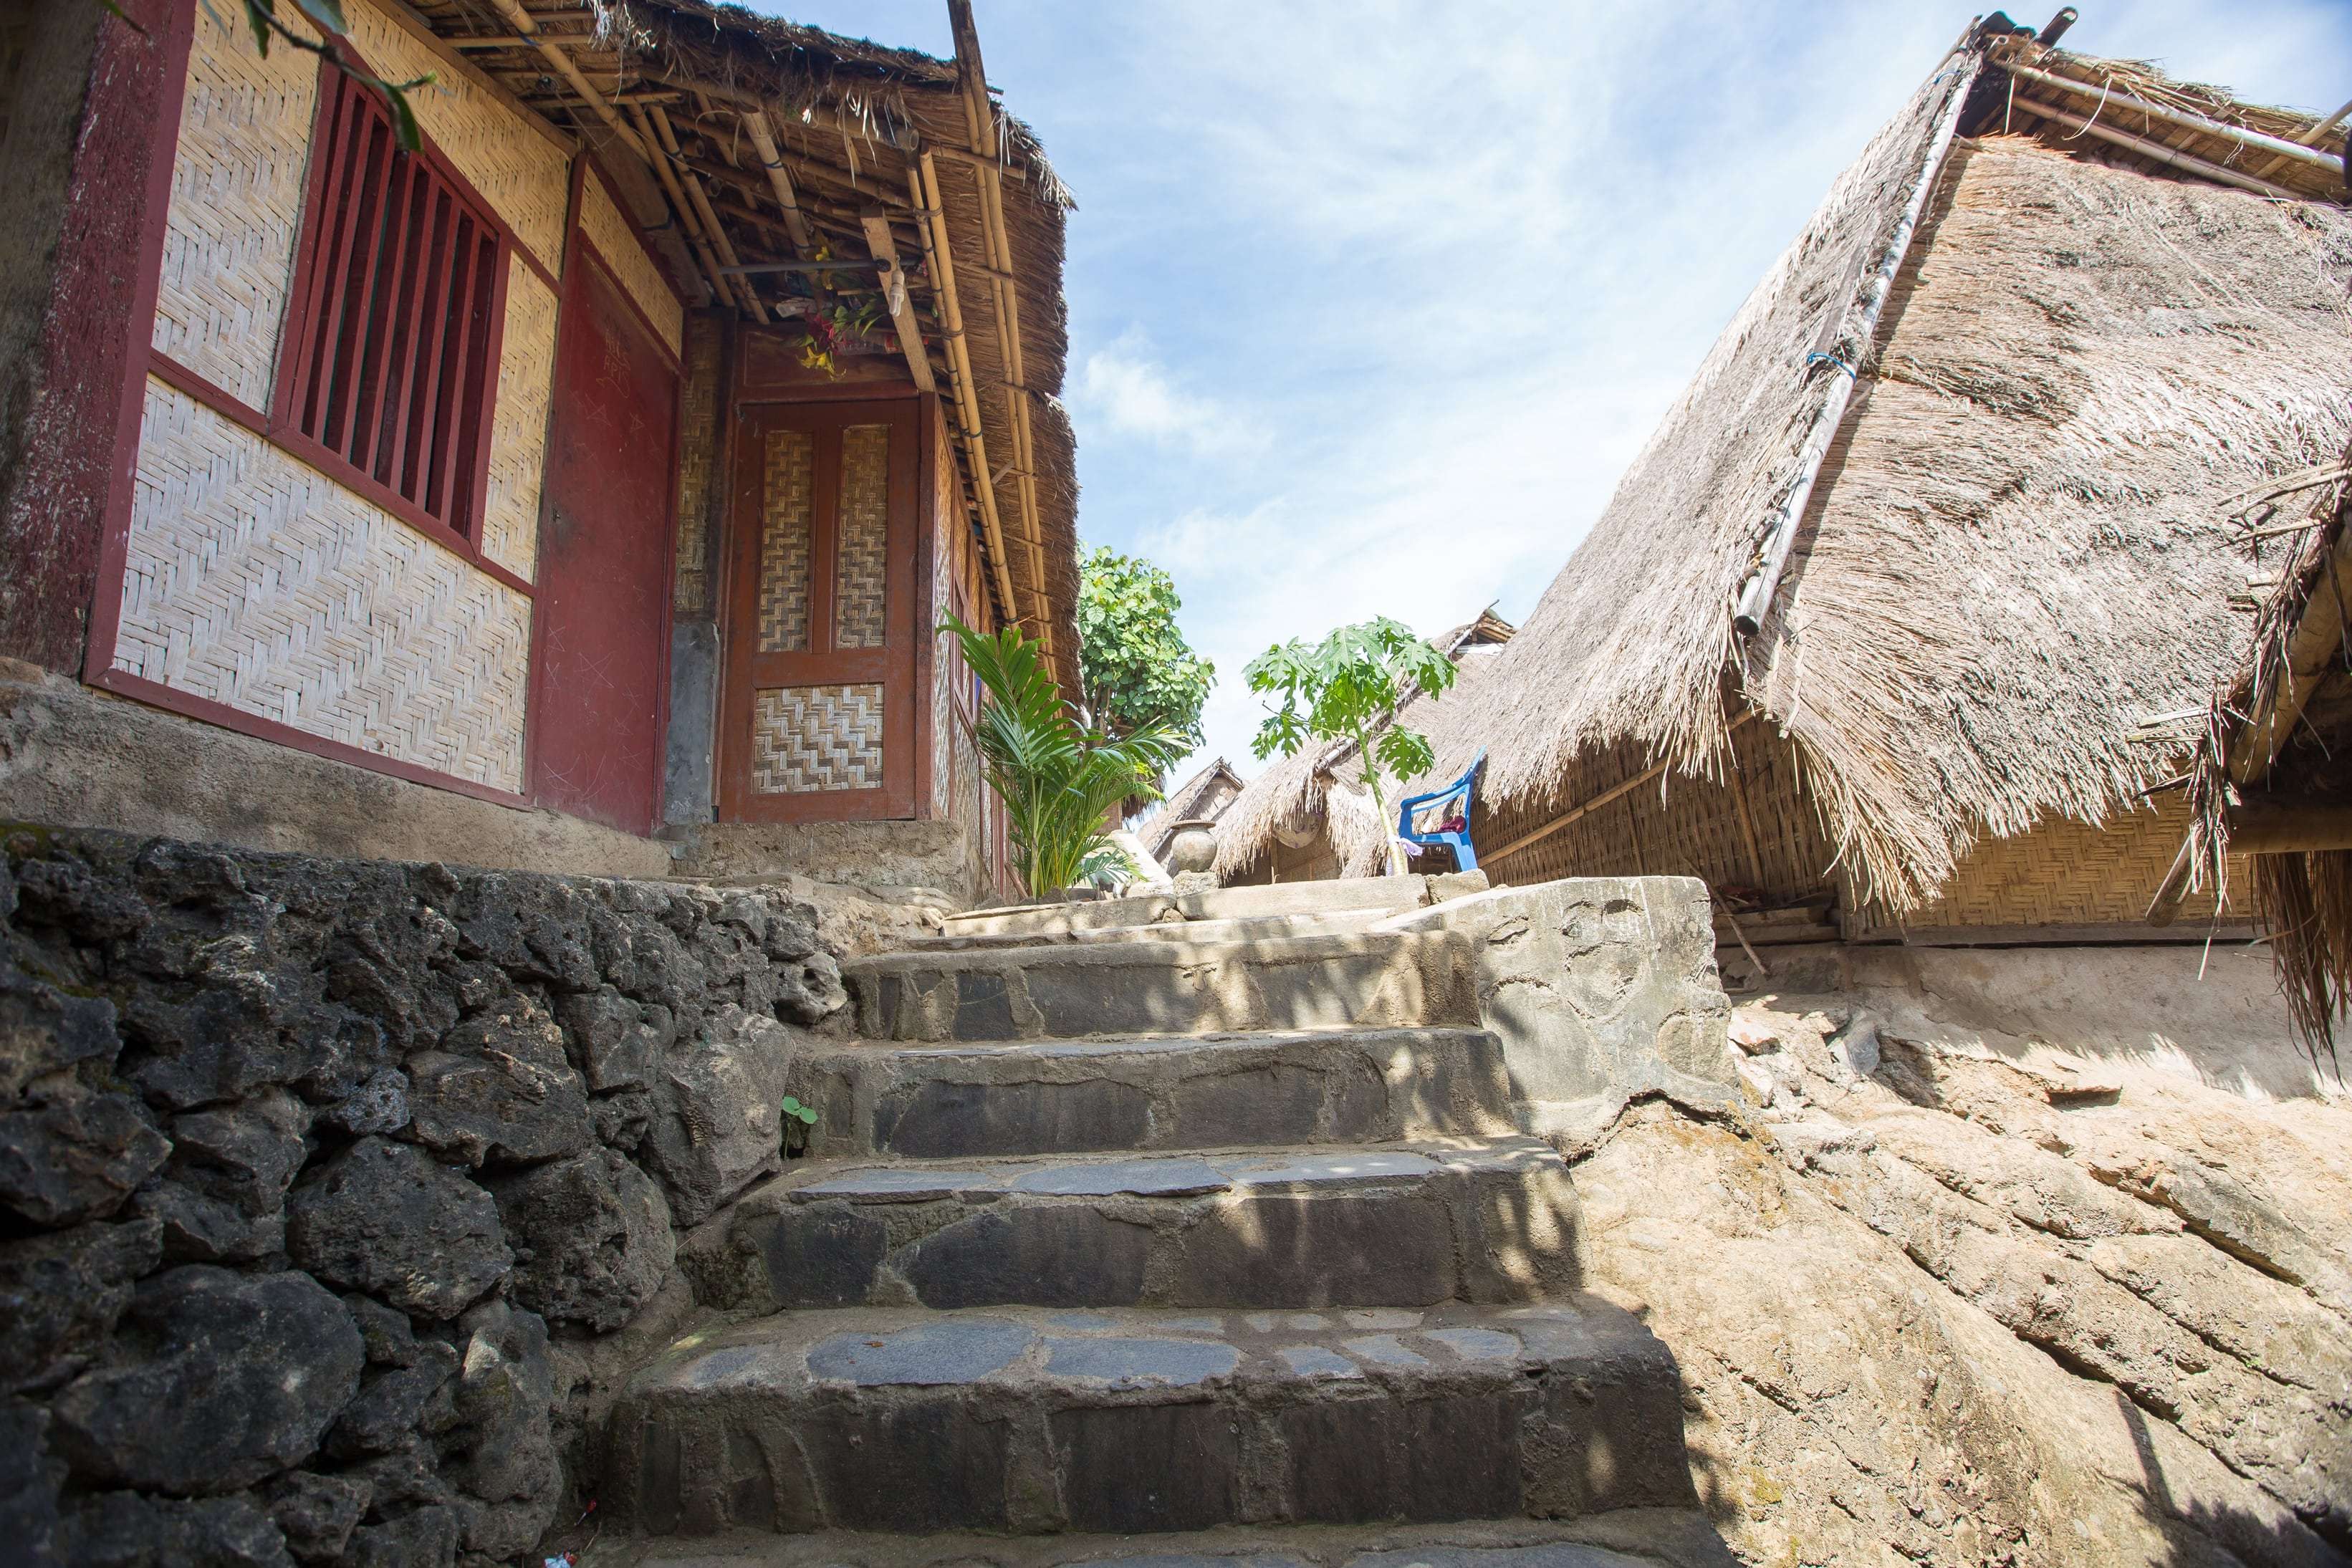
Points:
x=1022, y=1420
x=1253, y=928
x=1397, y=1224
x=1151, y=1093
x=1622, y=1538
x=1385, y=895
x=1080, y=990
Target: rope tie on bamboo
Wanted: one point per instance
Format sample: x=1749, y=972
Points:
x=2105, y=87
x=1817, y=358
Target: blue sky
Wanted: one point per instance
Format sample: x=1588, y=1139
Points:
x=1372, y=302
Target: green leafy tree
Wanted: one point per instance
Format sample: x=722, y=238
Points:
x=1058, y=779
x=1348, y=688
x=1136, y=667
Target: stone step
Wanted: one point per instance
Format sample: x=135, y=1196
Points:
x=1151, y=1093
x=1074, y=992
x=1385, y=895
x=1621, y=1538
x=1401, y=1225
x=1252, y=928
x=1025, y=1421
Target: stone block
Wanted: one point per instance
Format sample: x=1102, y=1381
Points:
x=388, y=1219
x=1061, y=1254
x=1280, y=1250
x=945, y=1120
x=1154, y=1468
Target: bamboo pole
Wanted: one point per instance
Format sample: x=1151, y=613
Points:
x=894, y=293
x=522, y=22
x=1614, y=792
x=2256, y=139
x=660, y=118
x=939, y=259
x=764, y=143
x=2185, y=162
x=689, y=222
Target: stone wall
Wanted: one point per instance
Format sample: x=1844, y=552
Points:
x=322, y=1184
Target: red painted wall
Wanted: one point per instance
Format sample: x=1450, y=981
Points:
x=600, y=671
x=81, y=434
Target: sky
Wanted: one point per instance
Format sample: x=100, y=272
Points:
x=1372, y=302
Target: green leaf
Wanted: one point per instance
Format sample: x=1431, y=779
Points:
x=327, y=15
x=404, y=119
x=259, y=14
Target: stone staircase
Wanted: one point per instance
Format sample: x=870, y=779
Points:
x=1161, y=1217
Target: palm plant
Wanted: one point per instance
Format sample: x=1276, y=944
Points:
x=1058, y=779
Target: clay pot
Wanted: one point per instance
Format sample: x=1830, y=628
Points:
x=1192, y=846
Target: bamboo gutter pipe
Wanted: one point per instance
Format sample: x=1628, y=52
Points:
x=1861, y=327
x=2187, y=163
x=2197, y=122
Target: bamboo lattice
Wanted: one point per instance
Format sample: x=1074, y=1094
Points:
x=616, y=241
x=785, y=505
x=698, y=452
x=525, y=177
x=865, y=518
x=2067, y=873
x=254, y=581
x=810, y=738
x=235, y=207
x=518, y=424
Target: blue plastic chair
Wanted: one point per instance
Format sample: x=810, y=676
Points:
x=1456, y=794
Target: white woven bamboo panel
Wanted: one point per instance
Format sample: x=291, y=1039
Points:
x=616, y=239
x=518, y=424
x=789, y=490
x=235, y=206
x=806, y=739
x=254, y=581
x=859, y=561
x=525, y=177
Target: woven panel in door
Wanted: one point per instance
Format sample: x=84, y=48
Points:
x=806, y=739
x=864, y=527
x=236, y=206
x=785, y=506
x=256, y=581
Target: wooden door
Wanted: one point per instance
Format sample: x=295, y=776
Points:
x=817, y=714
x=600, y=678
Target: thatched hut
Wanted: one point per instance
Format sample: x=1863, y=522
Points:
x=1911, y=608
x=1202, y=798
x=1307, y=817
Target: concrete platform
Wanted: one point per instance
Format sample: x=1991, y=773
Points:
x=1382, y=895
x=1176, y=987
x=1256, y=928
x=1027, y=1421
x=1397, y=1224
x=1146, y=1093
x=1624, y=1538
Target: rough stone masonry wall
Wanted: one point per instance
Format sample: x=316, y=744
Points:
x=321, y=1183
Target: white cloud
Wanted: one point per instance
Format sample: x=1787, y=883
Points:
x=1135, y=396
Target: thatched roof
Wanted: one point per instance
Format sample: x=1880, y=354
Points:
x=2016, y=550
x=1202, y=798
x=1304, y=794
x=859, y=127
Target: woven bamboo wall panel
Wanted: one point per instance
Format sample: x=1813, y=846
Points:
x=697, y=459
x=518, y=424
x=808, y=738
x=525, y=177
x=616, y=241
x=864, y=524
x=788, y=491
x=235, y=207
x=254, y=581
x=2065, y=872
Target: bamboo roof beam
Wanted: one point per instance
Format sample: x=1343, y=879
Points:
x=924, y=178
x=522, y=22
x=764, y=143
x=689, y=221
x=1576, y=814
x=885, y=250
x=742, y=289
x=2075, y=125
x=2310, y=656
x=2277, y=146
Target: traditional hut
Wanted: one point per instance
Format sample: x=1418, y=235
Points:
x=1304, y=819
x=1202, y=798
x=614, y=452
x=1907, y=616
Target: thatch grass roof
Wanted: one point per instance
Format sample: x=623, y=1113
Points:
x=850, y=120
x=2016, y=551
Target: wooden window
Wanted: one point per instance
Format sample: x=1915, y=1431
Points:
x=390, y=363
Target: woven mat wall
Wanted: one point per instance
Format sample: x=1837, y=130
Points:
x=2071, y=873
x=697, y=457
x=235, y=207
x=864, y=525
x=255, y=582
x=811, y=738
x=525, y=177
x=617, y=243
x=518, y=424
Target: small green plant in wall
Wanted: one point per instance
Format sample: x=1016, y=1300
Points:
x=798, y=1120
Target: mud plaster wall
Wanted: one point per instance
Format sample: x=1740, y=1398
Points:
x=422, y=1134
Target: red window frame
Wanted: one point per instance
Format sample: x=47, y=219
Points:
x=388, y=367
